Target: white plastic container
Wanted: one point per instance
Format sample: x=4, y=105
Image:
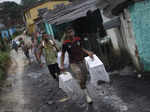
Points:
x=69, y=85
x=66, y=60
x=96, y=69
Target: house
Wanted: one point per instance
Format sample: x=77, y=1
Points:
x=126, y=22
x=6, y=33
x=86, y=19
x=31, y=13
x=133, y=30
x=138, y=16
x=73, y=13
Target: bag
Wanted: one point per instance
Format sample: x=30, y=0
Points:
x=69, y=85
x=96, y=69
x=66, y=60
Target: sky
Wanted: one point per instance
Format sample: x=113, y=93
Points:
x=17, y=1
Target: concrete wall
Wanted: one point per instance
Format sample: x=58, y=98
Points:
x=140, y=18
x=128, y=38
x=114, y=34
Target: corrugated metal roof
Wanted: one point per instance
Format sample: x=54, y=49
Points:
x=70, y=12
x=109, y=5
x=39, y=3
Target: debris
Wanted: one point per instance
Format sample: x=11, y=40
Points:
x=139, y=75
x=127, y=71
x=101, y=93
x=123, y=108
x=63, y=99
x=82, y=105
x=50, y=102
x=113, y=73
x=106, y=97
x=49, y=90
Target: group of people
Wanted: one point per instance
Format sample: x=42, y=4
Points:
x=45, y=45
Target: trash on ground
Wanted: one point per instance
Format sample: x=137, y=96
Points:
x=64, y=99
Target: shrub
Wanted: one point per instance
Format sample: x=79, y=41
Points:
x=4, y=62
x=2, y=73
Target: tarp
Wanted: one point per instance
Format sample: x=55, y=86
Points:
x=140, y=17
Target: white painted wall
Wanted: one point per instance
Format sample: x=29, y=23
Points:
x=114, y=34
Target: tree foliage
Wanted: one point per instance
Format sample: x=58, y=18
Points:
x=10, y=11
x=26, y=3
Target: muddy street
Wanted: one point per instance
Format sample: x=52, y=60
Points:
x=30, y=88
x=74, y=56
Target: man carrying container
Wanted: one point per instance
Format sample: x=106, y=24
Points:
x=76, y=52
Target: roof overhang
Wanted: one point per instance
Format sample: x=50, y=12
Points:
x=112, y=8
x=70, y=12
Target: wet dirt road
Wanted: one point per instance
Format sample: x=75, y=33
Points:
x=12, y=94
x=30, y=88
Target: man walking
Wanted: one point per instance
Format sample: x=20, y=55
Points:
x=36, y=48
x=77, y=53
x=25, y=49
x=50, y=51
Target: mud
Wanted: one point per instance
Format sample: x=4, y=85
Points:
x=30, y=88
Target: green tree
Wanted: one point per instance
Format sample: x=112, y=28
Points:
x=10, y=12
x=26, y=3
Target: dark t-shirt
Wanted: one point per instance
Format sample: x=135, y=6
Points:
x=76, y=54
